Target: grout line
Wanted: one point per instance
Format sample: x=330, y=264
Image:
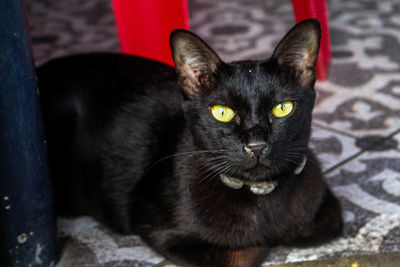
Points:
x=382, y=140
x=344, y=161
x=362, y=151
x=321, y=126
x=394, y=133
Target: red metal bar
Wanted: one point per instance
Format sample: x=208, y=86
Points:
x=144, y=26
x=304, y=9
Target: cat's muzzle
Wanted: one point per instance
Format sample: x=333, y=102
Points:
x=257, y=149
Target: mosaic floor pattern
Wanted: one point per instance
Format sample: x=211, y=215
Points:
x=356, y=130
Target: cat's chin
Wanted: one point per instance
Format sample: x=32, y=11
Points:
x=256, y=173
x=258, y=164
x=257, y=170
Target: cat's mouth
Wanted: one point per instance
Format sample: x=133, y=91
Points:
x=257, y=187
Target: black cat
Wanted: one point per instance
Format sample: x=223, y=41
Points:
x=210, y=175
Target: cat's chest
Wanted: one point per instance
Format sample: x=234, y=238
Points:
x=237, y=217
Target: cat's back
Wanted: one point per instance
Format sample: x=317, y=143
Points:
x=107, y=116
x=109, y=78
x=99, y=98
x=95, y=87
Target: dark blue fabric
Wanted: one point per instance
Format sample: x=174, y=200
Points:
x=27, y=222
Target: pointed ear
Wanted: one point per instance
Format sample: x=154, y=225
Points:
x=298, y=50
x=195, y=62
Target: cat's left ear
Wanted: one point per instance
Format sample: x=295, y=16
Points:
x=298, y=50
x=195, y=62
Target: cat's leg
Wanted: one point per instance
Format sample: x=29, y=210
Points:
x=327, y=223
x=201, y=255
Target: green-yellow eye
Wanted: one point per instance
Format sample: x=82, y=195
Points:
x=283, y=109
x=222, y=113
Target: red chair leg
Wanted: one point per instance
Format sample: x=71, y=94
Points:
x=144, y=26
x=304, y=9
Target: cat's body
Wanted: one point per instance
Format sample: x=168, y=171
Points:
x=128, y=147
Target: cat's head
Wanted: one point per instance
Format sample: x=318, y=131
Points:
x=255, y=115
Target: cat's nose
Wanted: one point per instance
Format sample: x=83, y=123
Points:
x=256, y=148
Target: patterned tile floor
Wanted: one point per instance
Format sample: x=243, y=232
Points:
x=356, y=130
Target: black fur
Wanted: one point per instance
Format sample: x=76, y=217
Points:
x=131, y=149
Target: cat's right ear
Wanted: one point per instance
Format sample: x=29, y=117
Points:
x=195, y=62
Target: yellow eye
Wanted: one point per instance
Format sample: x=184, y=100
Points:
x=222, y=113
x=283, y=109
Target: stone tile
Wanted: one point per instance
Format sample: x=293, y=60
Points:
x=331, y=147
x=377, y=260
x=240, y=30
x=75, y=253
x=369, y=189
x=361, y=95
x=104, y=247
x=366, y=109
x=397, y=138
x=377, y=142
x=60, y=28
